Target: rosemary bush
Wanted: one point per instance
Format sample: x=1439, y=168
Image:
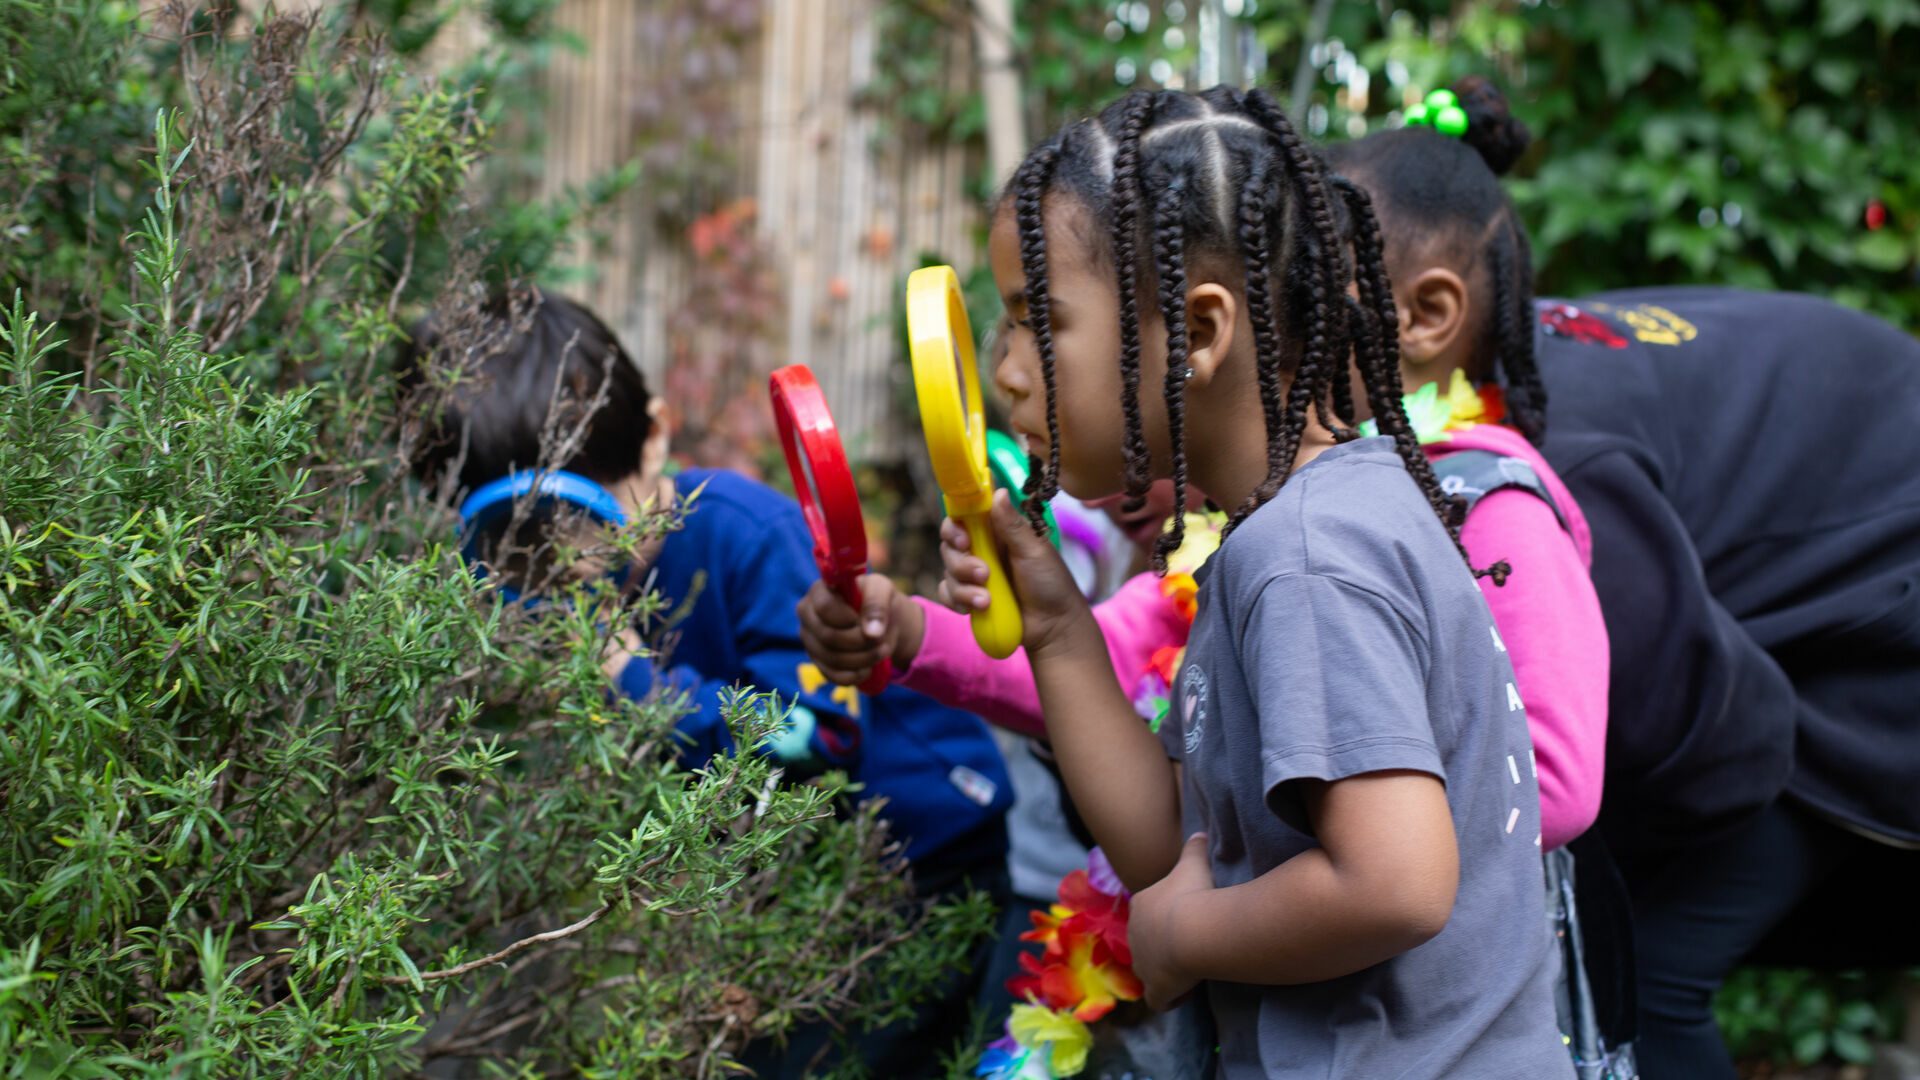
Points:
x=283, y=791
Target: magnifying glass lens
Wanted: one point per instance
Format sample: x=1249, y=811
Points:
x=806, y=467
x=960, y=380
x=957, y=326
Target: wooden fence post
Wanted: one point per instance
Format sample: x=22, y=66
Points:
x=999, y=86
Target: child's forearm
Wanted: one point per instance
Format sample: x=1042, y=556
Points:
x=1382, y=881
x=1115, y=768
x=1301, y=922
x=949, y=668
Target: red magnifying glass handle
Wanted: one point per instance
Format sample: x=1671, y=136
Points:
x=823, y=484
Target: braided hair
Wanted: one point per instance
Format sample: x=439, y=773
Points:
x=1380, y=352
x=1223, y=177
x=1029, y=187
x=1452, y=188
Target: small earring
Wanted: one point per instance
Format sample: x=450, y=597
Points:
x=1187, y=374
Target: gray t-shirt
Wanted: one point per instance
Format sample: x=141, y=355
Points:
x=1340, y=633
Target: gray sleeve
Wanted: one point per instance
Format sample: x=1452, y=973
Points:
x=1339, y=682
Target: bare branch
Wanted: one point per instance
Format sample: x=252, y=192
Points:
x=493, y=958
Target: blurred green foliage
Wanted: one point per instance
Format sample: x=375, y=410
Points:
x=1790, y=1016
x=1726, y=143
x=1736, y=144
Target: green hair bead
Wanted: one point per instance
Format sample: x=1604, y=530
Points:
x=1440, y=111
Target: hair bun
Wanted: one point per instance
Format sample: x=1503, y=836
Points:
x=1491, y=127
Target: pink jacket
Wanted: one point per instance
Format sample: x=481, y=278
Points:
x=1547, y=613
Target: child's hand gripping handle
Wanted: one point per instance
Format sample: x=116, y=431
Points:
x=882, y=675
x=998, y=629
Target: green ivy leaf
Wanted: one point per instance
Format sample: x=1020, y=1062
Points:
x=1840, y=16
x=1836, y=76
x=1809, y=1047
x=1691, y=243
x=1660, y=137
x=1891, y=15
x=1670, y=38
x=1797, y=49
x=1851, y=1046
x=1859, y=1016
x=1625, y=59
x=1883, y=249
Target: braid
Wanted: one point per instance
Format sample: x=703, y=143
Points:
x=1030, y=187
x=1513, y=345
x=1324, y=354
x=1378, y=319
x=1500, y=320
x=1283, y=437
x=1380, y=368
x=1126, y=216
x=1170, y=257
x=1314, y=260
x=1342, y=391
x=1256, y=246
x=1379, y=353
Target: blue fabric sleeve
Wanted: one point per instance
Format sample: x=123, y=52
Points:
x=755, y=572
x=822, y=730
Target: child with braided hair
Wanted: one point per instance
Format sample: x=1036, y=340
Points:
x=1517, y=513
x=1472, y=382
x=1346, y=755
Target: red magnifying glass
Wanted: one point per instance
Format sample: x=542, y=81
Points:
x=824, y=485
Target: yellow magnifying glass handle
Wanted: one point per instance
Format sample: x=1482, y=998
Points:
x=998, y=629
x=946, y=379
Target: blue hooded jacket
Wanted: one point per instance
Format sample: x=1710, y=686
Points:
x=729, y=581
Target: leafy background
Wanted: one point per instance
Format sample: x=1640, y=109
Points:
x=1731, y=143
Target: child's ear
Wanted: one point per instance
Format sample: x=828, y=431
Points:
x=643, y=484
x=1212, y=313
x=1433, y=314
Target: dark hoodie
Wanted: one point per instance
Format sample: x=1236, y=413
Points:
x=1750, y=466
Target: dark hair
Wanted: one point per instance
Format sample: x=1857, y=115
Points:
x=1451, y=188
x=539, y=382
x=1185, y=179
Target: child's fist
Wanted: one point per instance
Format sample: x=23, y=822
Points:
x=847, y=643
x=1049, y=597
x=1154, y=921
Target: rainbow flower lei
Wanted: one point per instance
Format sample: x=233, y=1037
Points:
x=1154, y=690
x=1083, y=971
x=1464, y=405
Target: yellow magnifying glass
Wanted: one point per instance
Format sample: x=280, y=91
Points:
x=946, y=378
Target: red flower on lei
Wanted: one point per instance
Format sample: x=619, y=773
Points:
x=1086, y=964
